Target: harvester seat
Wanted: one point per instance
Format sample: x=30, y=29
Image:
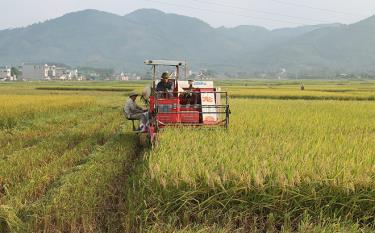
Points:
x=133, y=119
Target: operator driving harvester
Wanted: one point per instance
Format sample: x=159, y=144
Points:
x=175, y=102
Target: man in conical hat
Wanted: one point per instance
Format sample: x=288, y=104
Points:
x=135, y=112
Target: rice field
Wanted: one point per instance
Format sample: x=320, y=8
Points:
x=313, y=91
x=284, y=160
x=63, y=161
x=291, y=161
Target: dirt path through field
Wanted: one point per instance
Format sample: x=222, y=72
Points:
x=118, y=205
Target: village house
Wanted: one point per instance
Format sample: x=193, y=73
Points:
x=35, y=71
x=66, y=74
x=6, y=74
x=123, y=77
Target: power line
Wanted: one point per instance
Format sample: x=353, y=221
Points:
x=317, y=8
x=228, y=13
x=258, y=11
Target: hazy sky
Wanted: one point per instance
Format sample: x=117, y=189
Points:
x=267, y=13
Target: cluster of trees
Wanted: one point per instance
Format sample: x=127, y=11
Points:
x=92, y=73
x=15, y=72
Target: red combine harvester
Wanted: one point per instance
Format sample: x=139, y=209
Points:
x=190, y=103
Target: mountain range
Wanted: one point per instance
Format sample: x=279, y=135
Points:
x=100, y=39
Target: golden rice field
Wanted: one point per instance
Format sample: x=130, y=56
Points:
x=280, y=161
x=16, y=109
x=63, y=161
x=312, y=92
x=291, y=161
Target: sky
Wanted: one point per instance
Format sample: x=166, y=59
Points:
x=229, y=13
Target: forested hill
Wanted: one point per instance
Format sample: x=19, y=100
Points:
x=100, y=39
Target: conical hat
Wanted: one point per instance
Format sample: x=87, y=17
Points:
x=133, y=93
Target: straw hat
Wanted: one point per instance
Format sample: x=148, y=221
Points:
x=165, y=75
x=133, y=93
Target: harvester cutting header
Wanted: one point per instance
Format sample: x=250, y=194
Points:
x=175, y=102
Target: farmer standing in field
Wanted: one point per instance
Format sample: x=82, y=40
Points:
x=135, y=112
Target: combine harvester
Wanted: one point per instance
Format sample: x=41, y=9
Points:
x=190, y=103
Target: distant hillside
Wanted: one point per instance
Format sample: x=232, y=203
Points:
x=100, y=39
x=345, y=48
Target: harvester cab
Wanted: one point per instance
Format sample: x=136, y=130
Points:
x=187, y=103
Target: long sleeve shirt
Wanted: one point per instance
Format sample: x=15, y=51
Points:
x=131, y=107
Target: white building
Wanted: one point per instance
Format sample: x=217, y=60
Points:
x=66, y=74
x=73, y=74
x=60, y=73
x=34, y=71
x=5, y=73
x=123, y=77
